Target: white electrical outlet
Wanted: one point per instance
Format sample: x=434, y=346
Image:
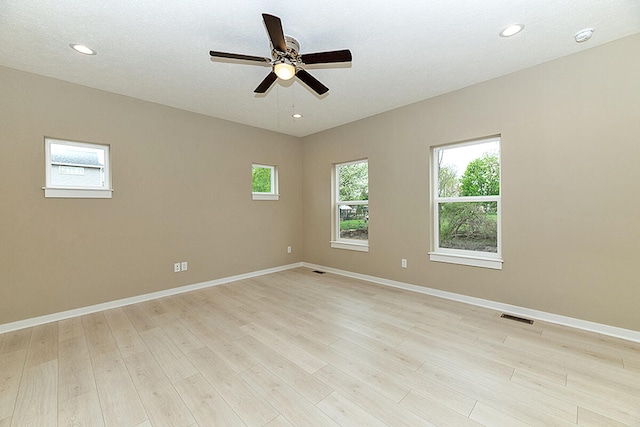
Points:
x=184, y=265
x=288, y=249
x=404, y=263
x=176, y=267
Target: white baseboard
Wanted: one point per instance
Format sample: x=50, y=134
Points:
x=612, y=331
x=41, y=320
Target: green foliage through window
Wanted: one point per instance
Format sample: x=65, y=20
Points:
x=482, y=177
x=261, y=179
x=352, y=203
x=354, y=181
x=468, y=225
x=448, y=182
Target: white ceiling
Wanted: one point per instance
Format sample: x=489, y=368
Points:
x=403, y=52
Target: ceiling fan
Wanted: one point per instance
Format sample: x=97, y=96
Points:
x=286, y=61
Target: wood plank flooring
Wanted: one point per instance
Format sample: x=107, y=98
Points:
x=297, y=348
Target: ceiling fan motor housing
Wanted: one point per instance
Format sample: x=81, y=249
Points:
x=291, y=56
x=292, y=44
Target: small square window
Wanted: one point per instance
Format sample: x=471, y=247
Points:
x=264, y=182
x=77, y=170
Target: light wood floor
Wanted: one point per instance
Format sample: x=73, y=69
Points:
x=301, y=349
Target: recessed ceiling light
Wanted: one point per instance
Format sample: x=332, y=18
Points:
x=512, y=30
x=296, y=115
x=82, y=49
x=584, y=35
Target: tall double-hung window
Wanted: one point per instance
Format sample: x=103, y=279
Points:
x=467, y=213
x=351, y=206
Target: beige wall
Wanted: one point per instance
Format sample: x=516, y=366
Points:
x=570, y=148
x=182, y=193
x=570, y=177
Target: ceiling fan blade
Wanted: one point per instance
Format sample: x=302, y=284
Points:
x=266, y=83
x=327, y=57
x=312, y=82
x=238, y=56
x=276, y=34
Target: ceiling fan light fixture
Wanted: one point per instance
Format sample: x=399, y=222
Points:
x=512, y=30
x=284, y=70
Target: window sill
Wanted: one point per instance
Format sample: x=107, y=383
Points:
x=265, y=196
x=352, y=246
x=474, y=261
x=77, y=193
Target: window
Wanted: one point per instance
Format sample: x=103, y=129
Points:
x=466, y=204
x=351, y=206
x=264, y=182
x=76, y=170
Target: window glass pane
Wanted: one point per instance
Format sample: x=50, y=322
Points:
x=74, y=166
x=262, y=179
x=469, y=226
x=469, y=170
x=354, y=221
x=353, y=181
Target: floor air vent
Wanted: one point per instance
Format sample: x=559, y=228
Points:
x=318, y=271
x=517, y=319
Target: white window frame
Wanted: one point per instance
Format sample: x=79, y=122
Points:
x=338, y=242
x=460, y=256
x=62, y=191
x=273, y=193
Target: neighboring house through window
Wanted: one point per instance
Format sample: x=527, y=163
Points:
x=467, y=213
x=77, y=170
x=351, y=206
